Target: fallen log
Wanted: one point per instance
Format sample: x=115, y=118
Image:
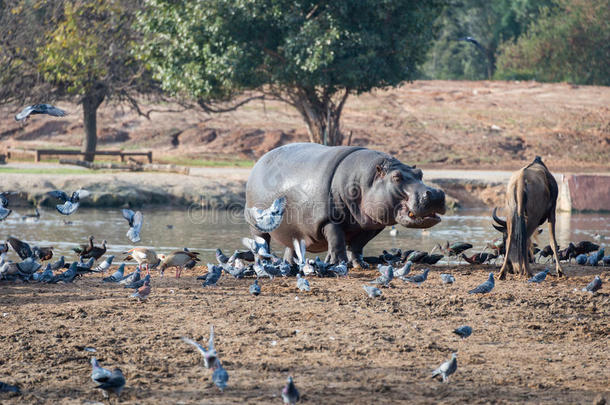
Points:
x=132, y=167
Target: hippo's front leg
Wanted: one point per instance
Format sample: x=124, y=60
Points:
x=335, y=237
x=356, y=245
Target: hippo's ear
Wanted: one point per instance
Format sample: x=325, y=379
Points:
x=418, y=173
x=396, y=177
x=380, y=171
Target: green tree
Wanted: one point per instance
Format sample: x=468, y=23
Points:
x=490, y=23
x=80, y=49
x=570, y=42
x=309, y=54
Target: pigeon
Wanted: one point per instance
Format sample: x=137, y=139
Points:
x=582, y=259
x=447, y=278
x=290, y=394
x=221, y=257
x=115, y=382
x=4, y=211
x=116, y=276
x=214, y=273
x=237, y=272
x=135, y=224
x=137, y=284
x=258, y=246
x=143, y=292
x=339, y=269
x=539, y=277
x=263, y=269
x=45, y=276
x=58, y=264
x=4, y=387
x=39, y=109
x=269, y=219
x=220, y=376
x=404, y=270
x=594, y=285
x=463, y=331
x=372, y=292
x=387, y=275
x=418, y=278
x=67, y=276
x=22, y=249
x=447, y=368
x=285, y=269
x=131, y=278
x=302, y=283
x=105, y=265
x=28, y=266
x=210, y=357
x=99, y=373
x=303, y=264
x=255, y=289
x=485, y=287
x=69, y=204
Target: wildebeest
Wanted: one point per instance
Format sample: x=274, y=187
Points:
x=531, y=197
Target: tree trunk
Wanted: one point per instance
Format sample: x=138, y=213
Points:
x=322, y=117
x=91, y=101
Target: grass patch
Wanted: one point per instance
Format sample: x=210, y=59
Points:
x=57, y=170
x=182, y=161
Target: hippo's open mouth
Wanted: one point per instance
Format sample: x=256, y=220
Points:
x=409, y=219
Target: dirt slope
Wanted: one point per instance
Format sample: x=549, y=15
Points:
x=434, y=123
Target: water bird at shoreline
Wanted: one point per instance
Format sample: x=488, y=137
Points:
x=35, y=109
x=485, y=287
x=594, y=285
x=393, y=231
x=69, y=204
x=446, y=369
x=290, y=393
x=463, y=331
x=144, y=256
x=134, y=219
x=35, y=217
x=479, y=258
x=269, y=219
x=94, y=252
x=178, y=259
x=109, y=381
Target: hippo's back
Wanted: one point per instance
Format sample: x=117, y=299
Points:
x=303, y=173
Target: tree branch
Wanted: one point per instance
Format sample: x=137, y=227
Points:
x=207, y=108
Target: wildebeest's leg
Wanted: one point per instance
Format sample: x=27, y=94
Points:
x=507, y=262
x=357, y=244
x=335, y=237
x=558, y=268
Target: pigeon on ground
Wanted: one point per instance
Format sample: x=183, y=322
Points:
x=594, y=285
x=539, y=277
x=212, y=277
x=447, y=278
x=137, y=284
x=285, y=268
x=258, y=246
x=4, y=387
x=302, y=283
x=4, y=211
x=69, y=204
x=290, y=394
x=67, y=276
x=387, y=275
x=269, y=219
x=339, y=270
x=143, y=292
x=58, y=264
x=114, y=383
x=404, y=270
x=210, y=357
x=28, y=267
x=582, y=259
x=131, y=278
x=220, y=377
x=255, y=289
x=99, y=374
x=372, y=292
x=418, y=278
x=485, y=287
x=221, y=257
x=447, y=368
x=39, y=109
x=463, y=331
x=46, y=275
x=116, y=276
x=135, y=224
x=105, y=265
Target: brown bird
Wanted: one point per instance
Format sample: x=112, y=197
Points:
x=142, y=293
x=96, y=251
x=144, y=256
x=84, y=249
x=43, y=253
x=178, y=259
x=479, y=258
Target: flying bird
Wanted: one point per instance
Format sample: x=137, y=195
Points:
x=40, y=109
x=69, y=204
x=269, y=219
x=210, y=357
x=485, y=287
x=135, y=224
x=474, y=42
x=447, y=368
x=290, y=394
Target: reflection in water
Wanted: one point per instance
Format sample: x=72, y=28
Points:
x=205, y=230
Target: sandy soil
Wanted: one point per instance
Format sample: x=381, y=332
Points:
x=543, y=344
x=457, y=124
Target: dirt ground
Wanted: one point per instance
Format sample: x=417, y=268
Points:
x=543, y=344
x=435, y=124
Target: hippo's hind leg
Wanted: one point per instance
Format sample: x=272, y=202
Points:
x=357, y=244
x=335, y=237
x=264, y=235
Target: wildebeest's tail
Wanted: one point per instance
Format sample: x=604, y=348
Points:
x=517, y=231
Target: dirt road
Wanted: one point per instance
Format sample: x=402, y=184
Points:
x=543, y=344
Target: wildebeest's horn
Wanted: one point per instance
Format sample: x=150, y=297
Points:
x=497, y=219
x=498, y=228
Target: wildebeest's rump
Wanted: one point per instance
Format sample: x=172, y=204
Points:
x=531, y=198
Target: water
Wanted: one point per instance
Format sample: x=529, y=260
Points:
x=205, y=230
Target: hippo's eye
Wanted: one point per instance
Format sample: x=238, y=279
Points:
x=396, y=177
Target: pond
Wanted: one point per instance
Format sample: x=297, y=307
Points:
x=166, y=230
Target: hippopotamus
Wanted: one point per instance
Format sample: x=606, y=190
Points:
x=338, y=198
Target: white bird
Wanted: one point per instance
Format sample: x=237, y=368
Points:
x=39, y=109
x=447, y=368
x=393, y=231
x=210, y=357
x=69, y=204
x=135, y=224
x=269, y=219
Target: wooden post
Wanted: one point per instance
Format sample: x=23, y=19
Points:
x=37, y=156
x=149, y=154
